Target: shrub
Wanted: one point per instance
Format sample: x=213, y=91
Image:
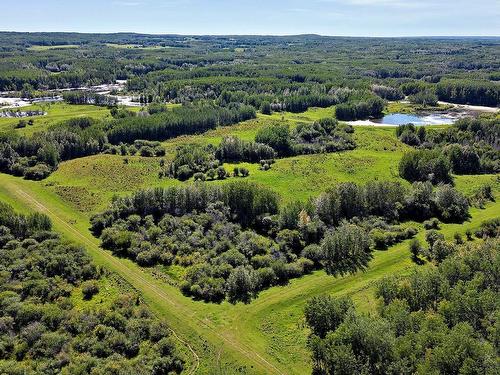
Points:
x=458, y=238
x=431, y=224
x=425, y=165
x=277, y=136
x=184, y=172
x=432, y=236
x=425, y=98
x=325, y=313
x=415, y=249
x=221, y=173
x=211, y=174
x=346, y=250
x=89, y=289
x=146, y=151
x=468, y=234
x=38, y=172
x=489, y=228
x=452, y=205
x=265, y=108
x=21, y=124
x=240, y=285
x=199, y=176
x=244, y=172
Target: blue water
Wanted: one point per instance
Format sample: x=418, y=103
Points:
x=424, y=119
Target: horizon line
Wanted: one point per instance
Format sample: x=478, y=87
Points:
x=249, y=34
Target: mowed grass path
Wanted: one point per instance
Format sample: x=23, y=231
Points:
x=265, y=336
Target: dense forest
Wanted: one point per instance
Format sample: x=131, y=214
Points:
x=257, y=70
x=41, y=329
x=440, y=319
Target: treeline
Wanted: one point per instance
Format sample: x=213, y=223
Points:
x=206, y=162
x=42, y=331
x=325, y=135
x=36, y=157
x=392, y=202
x=234, y=240
x=360, y=110
x=234, y=149
x=470, y=146
x=246, y=201
x=436, y=320
x=469, y=92
x=86, y=97
x=178, y=121
x=388, y=92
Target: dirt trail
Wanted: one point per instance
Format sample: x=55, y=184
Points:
x=136, y=276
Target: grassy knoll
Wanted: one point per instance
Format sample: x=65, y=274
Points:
x=265, y=336
x=56, y=112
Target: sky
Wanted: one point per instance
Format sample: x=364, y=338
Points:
x=269, y=17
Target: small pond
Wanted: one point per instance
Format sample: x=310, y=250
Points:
x=418, y=119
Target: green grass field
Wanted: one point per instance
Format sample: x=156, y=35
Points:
x=99, y=177
x=56, y=113
x=47, y=48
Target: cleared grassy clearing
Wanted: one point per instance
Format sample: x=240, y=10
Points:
x=99, y=177
x=47, y=48
x=89, y=183
x=56, y=113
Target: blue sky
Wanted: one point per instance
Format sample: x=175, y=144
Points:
x=326, y=17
